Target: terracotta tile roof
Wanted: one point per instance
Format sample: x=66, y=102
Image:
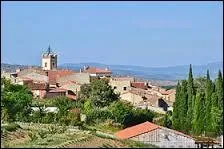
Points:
x=58, y=90
x=136, y=130
x=139, y=85
x=143, y=128
x=164, y=92
x=95, y=70
x=69, y=83
x=24, y=78
x=35, y=86
x=53, y=75
x=122, y=78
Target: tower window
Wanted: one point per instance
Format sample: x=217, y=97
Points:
x=45, y=64
x=53, y=64
x=125, y=88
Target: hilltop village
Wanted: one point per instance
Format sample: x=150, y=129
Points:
x=48, y=81
x=134, y=116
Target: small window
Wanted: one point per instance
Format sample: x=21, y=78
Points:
x=125, y=88
x=45, y=64
x=115, y=87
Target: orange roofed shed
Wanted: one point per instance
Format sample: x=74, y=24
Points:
x=136, y=130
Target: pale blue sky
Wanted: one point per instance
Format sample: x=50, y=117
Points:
x=134, y=33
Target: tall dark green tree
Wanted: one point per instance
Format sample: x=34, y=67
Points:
x=199, y=113
x=208, y=94
x=219, y=92
x=190, y=93
x=215, y=114
x=183, y=106
x=176, y=108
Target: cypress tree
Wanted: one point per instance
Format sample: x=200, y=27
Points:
x=208, y=94
x=219, y=93
x=199, y=113
x=176, y=109
x=190, y=93
x=183, y=106
x=215, y=114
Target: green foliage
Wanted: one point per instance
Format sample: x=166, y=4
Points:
x=99, y=92
x=98, y=116
x=138, y=116
x=42, y=134
x=199, y=114
x=85, y=91
x=125, y=114
x=176, y=108
x=120, y=111
x=87, y=106
x=33, y=136
x=169, y=87
x=167, y=121
x=15, y=100
x=219, y=92
x=11, y=127
x=202, y=101
x=208, y=102
x=190, y=93
x=183, y=106
x=102, y=94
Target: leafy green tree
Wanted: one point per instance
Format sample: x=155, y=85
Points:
x=87, y=106
x=102, y=94
x=199, y=113
x=15, y=100
x=190, y=93
x=120, y=111
x=140, y=116
x=85, y=92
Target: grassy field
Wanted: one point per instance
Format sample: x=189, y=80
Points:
x=48, y=136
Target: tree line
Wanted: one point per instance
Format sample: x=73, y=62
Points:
x=198, y=107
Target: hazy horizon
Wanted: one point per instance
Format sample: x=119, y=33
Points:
x=148, y=34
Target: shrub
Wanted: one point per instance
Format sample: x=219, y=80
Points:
x=12, y=127
x=42, y=134
x=32, y=136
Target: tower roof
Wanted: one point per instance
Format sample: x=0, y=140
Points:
x=48, y=52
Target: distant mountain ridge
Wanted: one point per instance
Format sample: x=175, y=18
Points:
x=171, y=73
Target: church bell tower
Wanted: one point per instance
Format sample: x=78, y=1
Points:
x=49, y=60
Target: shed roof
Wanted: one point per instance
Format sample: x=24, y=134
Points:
x=136, y=130
x=143, y=128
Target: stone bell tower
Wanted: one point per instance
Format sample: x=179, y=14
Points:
x=49, y=60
